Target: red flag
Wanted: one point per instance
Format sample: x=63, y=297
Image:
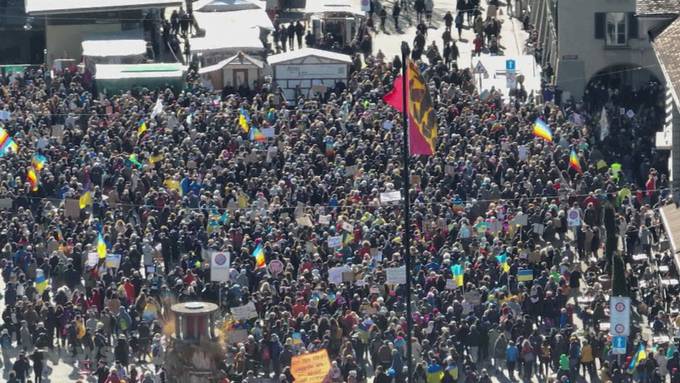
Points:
x=422, y=125
x=421, y=115
x=395, y=98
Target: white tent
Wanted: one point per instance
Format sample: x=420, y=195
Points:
x=227, y=33
x=305, y=71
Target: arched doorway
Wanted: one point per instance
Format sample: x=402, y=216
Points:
x=626, y=85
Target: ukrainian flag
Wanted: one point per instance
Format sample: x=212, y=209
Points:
x=458, y=275
x=101, y=246
x=639, y=356
x=244, y=119
x=40, y=281
x=85, y=200
x=503, y=261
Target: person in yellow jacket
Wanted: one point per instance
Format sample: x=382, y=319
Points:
x=587, y=359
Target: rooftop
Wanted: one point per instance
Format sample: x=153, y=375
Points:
x=668, y=52
x=52, y=7
x=657, y=7
x=304, y=52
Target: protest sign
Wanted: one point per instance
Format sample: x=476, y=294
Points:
x=396, y=275
x=244, y=312
x=573, y=218
x=92, y=259
x=310, y=368
x=335, y=274
x=324, y=220
x=268, y=132
x=220, y=261
x=5, y=203
x=392, y=196
x=304, y=221
x=520, y=219
x=348, y=227
x=335, y=242
x=237, y=336
x=112, y=261
x=276, y=267
x=474, y=297
x=72, y=208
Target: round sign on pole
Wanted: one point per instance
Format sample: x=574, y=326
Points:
x=619, y=328
x=275, y=267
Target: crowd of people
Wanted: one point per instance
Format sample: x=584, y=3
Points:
x=491, y=203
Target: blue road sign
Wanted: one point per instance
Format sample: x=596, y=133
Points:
x=619, y=345
x=510, y=64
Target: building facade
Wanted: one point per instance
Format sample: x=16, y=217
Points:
x=594, y=39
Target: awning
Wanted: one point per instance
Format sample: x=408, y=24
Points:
x=239, y=58
x=670, y=216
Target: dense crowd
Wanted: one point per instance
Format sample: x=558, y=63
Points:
x=493, y=200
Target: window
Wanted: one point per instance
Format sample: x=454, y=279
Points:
x=616, y=29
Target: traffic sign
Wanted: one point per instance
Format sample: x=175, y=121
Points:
x=365, y=5
x=619, y=345
x=479, y=68
x=619, y=312
x=510, y=65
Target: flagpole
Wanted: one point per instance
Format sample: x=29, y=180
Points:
x=407, y=213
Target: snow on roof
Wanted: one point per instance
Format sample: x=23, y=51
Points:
x=114, y=47
x=224, y=5
x=332, y=6
x=247, y=18
x=304, y=52
x=52, y=7
x=236, y=30
x=122, y=71
x=241, y=57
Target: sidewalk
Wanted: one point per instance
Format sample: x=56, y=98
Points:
x=389, y=42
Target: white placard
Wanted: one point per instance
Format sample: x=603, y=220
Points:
x=520, y=219
x=268, y=132
x=451, y=284
x=92, y=259
x=335, y=242
x=245, y=312
x=220, y=262
x=304, y=221
x=324, y=220
x=348, y=227
x=539, y=228
x=387, y=197
x=335, y=274
x=396, y=275
x=573, y=218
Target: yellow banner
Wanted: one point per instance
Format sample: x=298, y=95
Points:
x=310, y=368
x=422, y=116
